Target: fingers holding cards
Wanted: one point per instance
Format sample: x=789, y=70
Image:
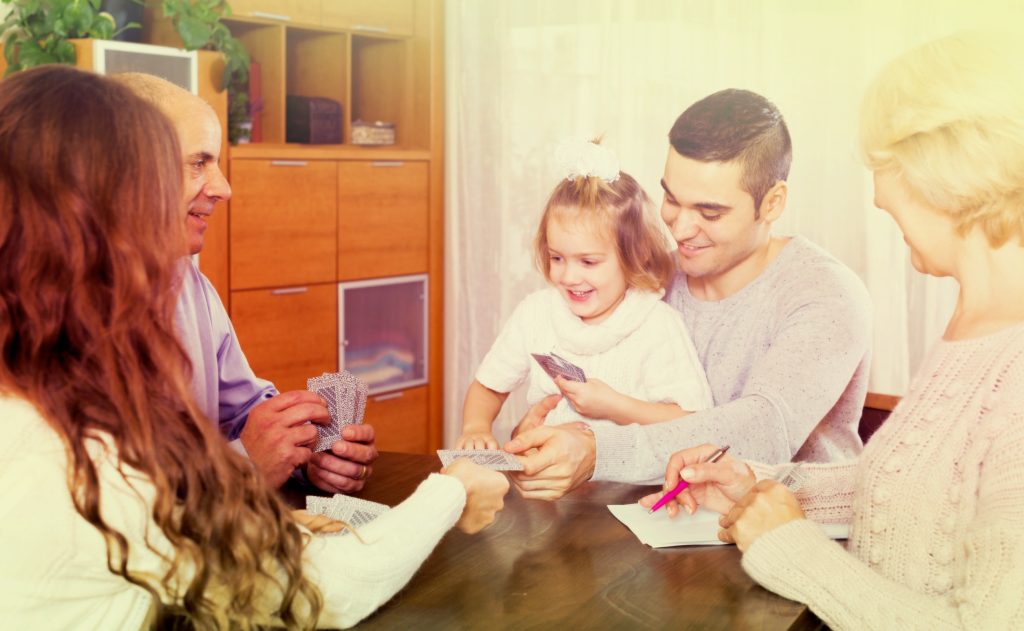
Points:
x=345, y=397
x=556, y=366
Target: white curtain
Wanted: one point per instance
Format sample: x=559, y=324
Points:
x=523, y=75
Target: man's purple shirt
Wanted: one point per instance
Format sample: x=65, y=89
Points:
x=225, y=387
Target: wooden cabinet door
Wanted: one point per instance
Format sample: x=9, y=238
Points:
x=382, y=219
x=288, y=334
x=299, y=11
x=399, y=420
x=392, y=17
x=283, y=223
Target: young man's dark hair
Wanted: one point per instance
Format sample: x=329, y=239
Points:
x=737, y=125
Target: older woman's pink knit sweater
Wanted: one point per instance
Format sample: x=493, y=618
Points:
x=936, y=503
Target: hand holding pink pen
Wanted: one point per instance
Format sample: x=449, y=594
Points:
x=671, y=495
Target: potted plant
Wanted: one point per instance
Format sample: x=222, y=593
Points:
x=37, y=32
x=198, y=22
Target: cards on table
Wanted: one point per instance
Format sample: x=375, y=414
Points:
x=345, y=395
x=353, y=511
x=554, y=366
x=490, y=458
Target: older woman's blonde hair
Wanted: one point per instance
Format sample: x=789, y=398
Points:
x=948, y=117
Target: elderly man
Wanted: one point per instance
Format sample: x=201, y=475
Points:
x=270, y=427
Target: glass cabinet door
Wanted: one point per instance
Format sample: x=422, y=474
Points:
x=382, y=331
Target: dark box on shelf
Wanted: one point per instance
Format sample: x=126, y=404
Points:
x=312, y=120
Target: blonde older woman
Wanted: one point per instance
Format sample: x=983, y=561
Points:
x=937, y=498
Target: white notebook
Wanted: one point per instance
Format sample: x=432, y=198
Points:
x=700, y=529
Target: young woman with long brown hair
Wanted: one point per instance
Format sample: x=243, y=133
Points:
x=119, y=502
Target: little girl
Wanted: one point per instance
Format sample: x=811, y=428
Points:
x=608, y=264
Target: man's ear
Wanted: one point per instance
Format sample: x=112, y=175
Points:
x=774, y=202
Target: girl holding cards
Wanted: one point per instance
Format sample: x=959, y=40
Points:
x=608, y=262
x=120, y=503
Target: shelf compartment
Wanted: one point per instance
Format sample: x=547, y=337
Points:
x=382, y=331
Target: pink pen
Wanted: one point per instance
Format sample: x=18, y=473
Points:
x=671, y=495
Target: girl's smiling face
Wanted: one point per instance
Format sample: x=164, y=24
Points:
x=585, y=267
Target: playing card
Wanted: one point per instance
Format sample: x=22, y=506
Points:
x=345, y=395
x=554, y=366
x=492, y=459
x=362, y=390
x=353, y=511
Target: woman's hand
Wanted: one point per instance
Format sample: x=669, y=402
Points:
x=592, y=398
x=766, y=507
x=485, y=493
x=714, y=485
x=477, y=440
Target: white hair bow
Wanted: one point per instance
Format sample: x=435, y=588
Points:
x=580, y=158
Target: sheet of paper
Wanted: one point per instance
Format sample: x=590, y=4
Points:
x=699, y=529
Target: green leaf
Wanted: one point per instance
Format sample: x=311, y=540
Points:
x=64, y=52
x=194, y=33
x=126, y=27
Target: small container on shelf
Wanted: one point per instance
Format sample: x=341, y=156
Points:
x=375, y=133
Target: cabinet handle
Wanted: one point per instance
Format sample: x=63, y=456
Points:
x=289, y=163
x=271, y=16
x=367, y=28
x=388, y=397
x=387, y=163
x=284, y=291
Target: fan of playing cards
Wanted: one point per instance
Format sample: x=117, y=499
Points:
x=557, y=366
x=490, y=458
x=353, y=511
x=345, y=395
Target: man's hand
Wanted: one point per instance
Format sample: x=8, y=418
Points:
x=537, y=413
x=556, y=460
x=345, y=467
x=592, y=398
x=278, y=437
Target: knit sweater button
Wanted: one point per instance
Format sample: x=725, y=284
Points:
x=877, y=554
x=878, y=523
x=891, y=465
x=942, y=582
x=944, y=553
x=881, y=494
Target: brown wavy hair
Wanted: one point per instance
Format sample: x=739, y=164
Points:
x=91, y=236
x=620, y=209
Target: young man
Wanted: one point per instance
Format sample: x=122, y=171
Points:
x=781, y=327
x=270, y=428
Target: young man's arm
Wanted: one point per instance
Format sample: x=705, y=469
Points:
x=817, y=356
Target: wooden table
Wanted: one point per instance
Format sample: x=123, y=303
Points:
x=567, y=564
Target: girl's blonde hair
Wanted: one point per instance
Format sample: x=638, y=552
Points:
x=948, y=117
x=622, y=210
x=92, y=230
